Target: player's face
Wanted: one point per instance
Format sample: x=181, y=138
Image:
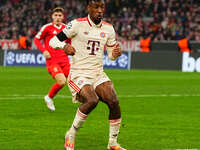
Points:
x=96, y=11
x=57, y=17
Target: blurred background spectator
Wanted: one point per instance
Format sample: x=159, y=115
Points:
x=162, y=19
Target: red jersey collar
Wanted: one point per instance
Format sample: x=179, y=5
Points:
x=58, y=27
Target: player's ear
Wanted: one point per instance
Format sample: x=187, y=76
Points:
x=52, y=16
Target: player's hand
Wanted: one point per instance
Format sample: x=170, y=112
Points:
x=117, y=51
x=69, y=50
x=46, y=54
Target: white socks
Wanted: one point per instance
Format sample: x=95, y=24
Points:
x=81, y=117
x=78, y=121
x=114, y=129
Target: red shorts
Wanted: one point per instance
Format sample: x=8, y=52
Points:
x=56, y=68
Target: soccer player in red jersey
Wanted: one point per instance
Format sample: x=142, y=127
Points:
x=57, y=61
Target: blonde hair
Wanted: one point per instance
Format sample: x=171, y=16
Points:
x=58, y=9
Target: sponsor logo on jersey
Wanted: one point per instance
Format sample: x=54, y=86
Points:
x=102, y=34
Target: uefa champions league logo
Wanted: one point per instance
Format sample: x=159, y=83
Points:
x=24, y=58
x=10, y=59
x=123, y=60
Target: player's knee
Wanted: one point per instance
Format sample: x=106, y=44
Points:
x=61, y=82
x=93, y=102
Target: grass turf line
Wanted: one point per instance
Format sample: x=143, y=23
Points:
x=149, y=123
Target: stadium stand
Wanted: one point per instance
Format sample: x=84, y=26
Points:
x=162, y=19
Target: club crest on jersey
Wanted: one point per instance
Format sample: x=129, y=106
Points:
x=102, y=34
x=69, y=25
x=80, y=82
x=55, y=69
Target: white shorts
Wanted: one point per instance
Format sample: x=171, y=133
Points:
x=76, y=82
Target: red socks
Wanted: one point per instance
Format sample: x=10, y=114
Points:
x=54, y=90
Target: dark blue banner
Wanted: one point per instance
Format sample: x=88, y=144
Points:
x=122, y=62
x=24, y=58
x=36, y=58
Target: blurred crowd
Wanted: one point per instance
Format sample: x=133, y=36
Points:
x=158, y=19
x=132, y=19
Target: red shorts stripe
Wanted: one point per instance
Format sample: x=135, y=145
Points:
x=74, y=84
x=73, y=87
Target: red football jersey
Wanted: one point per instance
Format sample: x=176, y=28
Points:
x=46, y=33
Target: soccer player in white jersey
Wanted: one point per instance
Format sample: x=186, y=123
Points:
x=87, y=80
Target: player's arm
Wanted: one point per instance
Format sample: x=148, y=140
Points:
x=114, y=52
x=57, y=42
x=113, y=48
x=40, y=46
x=37, y=40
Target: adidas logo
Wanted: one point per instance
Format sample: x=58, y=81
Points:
x=54, y=32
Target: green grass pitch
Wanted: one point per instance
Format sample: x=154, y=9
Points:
x=160, y=111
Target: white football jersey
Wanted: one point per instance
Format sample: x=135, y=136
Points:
x=89, y=41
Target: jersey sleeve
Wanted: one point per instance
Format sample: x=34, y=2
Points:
x=111, y=39
x=111, y=43
x=56, y=43
x=71, y=29
x=40, y=36
x=42, y=33
x=39, y=44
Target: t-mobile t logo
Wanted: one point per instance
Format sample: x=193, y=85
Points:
x=93, y=46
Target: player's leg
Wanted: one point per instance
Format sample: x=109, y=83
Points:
x=89, y=101
x=60, y=82
x=57, y=73
x=107, y=94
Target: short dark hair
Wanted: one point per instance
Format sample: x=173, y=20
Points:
x=58, y=9
x=90, y=1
